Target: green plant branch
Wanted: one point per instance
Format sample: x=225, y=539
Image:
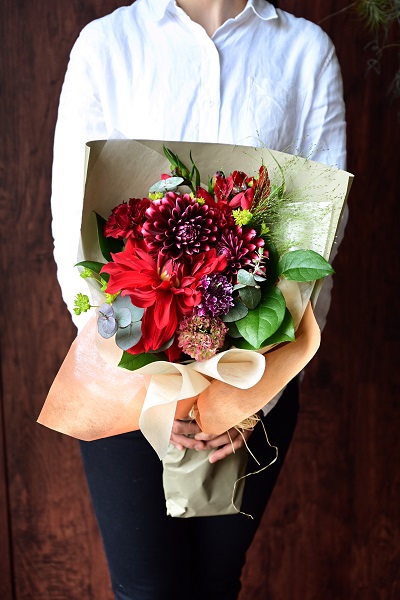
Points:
x=338, y=12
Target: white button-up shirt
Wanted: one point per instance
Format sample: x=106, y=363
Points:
x=149, y=72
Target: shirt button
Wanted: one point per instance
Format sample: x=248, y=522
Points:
x=211, y=103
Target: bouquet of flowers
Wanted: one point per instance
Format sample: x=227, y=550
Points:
x=194, y=271
x=193, y=281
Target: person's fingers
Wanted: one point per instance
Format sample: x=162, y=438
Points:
x=228, y=449
x=185, y=427
x=182, y=435
x=182, y=441
x=213, y=441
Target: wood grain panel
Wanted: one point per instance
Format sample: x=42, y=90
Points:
x=332, y=527
x=56, y=550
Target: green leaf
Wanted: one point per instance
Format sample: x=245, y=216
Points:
x=250, y=296
x=304, y=265
x=260, y=323
x=136, y=361
x=92, y=265
x=176, y=163
x=170, y=156
x=107, y=244
x=194, y=171
x=285, y=333
x=233, y=331
x=238, y=311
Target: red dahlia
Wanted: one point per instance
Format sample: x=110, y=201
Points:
x=177, y=226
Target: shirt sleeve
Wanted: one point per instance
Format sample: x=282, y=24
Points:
x=80, y=119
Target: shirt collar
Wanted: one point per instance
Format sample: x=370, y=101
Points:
x=264, y=10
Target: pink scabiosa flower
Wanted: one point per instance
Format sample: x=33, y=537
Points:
x=178, y=226
x=200, y=336
x=240, y=246
x=126, y=219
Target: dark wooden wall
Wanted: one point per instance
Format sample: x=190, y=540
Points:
x=332, y=528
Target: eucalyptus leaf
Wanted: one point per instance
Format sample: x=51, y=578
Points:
x=107, y=244
x=260, y=323
x=250, y=296
x=123, y=317
x=128, y=336
x=166, y=185
x=107, y=325
x=132, y=362
x=245, y=277
x=238, y=311
x=304, y=265
x=125, y=302
x=239, y=286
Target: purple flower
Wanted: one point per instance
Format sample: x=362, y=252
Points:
x=216, y=296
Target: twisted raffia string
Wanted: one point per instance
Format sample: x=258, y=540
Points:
x=253, y=420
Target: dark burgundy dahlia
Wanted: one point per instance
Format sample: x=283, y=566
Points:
x=239, y=245
x=178, y=226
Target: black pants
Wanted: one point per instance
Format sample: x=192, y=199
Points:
x=152, y=556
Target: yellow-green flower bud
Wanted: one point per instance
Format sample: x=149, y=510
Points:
x=155, y=195
x=242, y=217
x=82, y=304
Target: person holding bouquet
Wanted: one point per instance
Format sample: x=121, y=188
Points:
x=226, y=71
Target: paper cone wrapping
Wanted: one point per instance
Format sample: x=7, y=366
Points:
x=91, y=397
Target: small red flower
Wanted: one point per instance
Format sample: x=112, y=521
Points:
x=126, y=219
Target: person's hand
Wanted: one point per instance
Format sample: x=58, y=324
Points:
x=187, y=434
x=225, y=444
x=182, y=435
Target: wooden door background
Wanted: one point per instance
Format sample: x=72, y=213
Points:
x=332, y=527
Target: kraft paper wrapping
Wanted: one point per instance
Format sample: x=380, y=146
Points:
x=221, y=407
x=91, y=397
x=194, y=487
